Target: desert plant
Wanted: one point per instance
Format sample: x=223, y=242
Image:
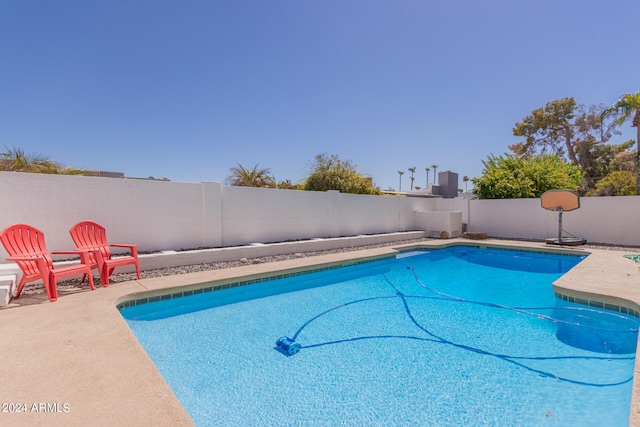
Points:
x=245, y=177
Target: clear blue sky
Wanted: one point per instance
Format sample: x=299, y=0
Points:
x=188, y=89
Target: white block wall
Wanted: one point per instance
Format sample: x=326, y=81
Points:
x=165, y=215
x=610, y=220
x=253, y=215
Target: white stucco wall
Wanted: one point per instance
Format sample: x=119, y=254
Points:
x=516, y=218
x=611, y=220
x=606, y=219
x=165, y=215
x=261, y=215
x=153, y=214
x=362, y=214
x=253, y=215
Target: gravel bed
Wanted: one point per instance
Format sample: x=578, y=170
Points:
x=244, y=261
x=67, y=285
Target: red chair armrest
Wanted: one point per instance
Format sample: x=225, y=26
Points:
x=122, y=245
x=82, y=253
x=29, y=257
x=132, y=248
x=38, y=258
x=73, y=252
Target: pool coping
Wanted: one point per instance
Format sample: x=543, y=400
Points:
x=77, y=362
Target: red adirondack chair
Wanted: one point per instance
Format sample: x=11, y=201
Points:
x=91, y=236
x=25, y=245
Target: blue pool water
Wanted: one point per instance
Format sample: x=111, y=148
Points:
x=449, y=337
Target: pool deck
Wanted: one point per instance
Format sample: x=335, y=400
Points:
x=75, y=362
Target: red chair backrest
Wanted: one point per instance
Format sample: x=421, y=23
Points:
x=25, y=240
x=91, y=235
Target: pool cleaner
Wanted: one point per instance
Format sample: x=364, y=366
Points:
x=287, y=346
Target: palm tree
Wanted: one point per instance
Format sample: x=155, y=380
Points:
x=244, y=177
x=434, y=173
x=427, y=169
x=400, y=173
x=412, y=170
x=465, y=179
x=628, y=107
x=16, y=160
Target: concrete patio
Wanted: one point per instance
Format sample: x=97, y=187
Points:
x=75, y=362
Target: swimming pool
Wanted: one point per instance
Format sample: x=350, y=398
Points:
x=457, y=336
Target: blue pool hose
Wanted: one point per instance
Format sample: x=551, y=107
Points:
x=289, y=346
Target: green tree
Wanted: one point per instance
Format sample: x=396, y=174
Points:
x=628, y=107
x=245, y=177
x=574, y=132
x=333, y=173
x=625, y=161
x=513, y=177
x=547, y=129
x=435, y=167
x=591, y=135
x=597, y=161
x=465, y=179
x=400, y=173
x=618, y=183
x=412, y=170
x=427, y=170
